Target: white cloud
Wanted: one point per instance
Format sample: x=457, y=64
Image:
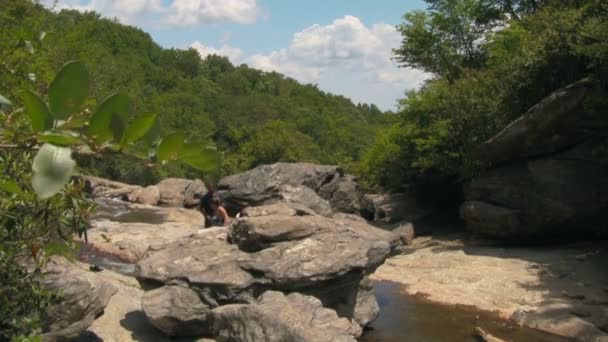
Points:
x=345, y=57
x=196, y=12
x=125, y=10
x=234, y=54
x=175, y=13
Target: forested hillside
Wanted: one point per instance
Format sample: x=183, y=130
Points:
x=254, y=117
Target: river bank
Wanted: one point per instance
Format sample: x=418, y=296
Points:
x=556, y=289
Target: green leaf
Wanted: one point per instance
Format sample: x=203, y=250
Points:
x=5, y=101
x=52, y=168
x=61, y=139
x=170, y=147
x=11, y=187
x=205, y=158
x=138, y=128
x=107, y=123
x=69, y=90
x=38, y=112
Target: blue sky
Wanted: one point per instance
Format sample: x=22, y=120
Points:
x=344, y=46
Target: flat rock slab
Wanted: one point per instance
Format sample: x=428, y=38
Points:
x=129, y=241
x=557, y=290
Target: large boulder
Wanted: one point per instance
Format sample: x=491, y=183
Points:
x=277, y=317
x=547, y=179
x=176, y=311
x=83, y=297
x=279, y=248
x=264, y=185
x=554, y=124
x=530, y=199
x=344, y=195
x=177, y=192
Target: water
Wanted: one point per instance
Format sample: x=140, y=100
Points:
x=406, y=318
x=119, y=211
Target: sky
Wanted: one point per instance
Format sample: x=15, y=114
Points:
x=343, y=46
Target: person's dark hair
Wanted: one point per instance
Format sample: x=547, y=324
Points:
x=208, y=199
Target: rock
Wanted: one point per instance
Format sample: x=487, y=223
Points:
x=149, y=195
x=371, y=233
x=495, y=220
x=552, y=196
x=366, y=307
x=179, y=192
x=346, y=217
x=280, y=249
x=344, y=195
x=546, y=180
x=405, y=232
x=192, y=193
x=303, y=196
x=392, y=208
x=286, y=209
x=129, y=241
x=92, y=183
x=277, y=318
x=262, y=185
x=83, y=297
x=545, y=129
x=484, y=336
x=176, y=311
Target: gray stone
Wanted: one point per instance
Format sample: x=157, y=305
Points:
x=176, y=311
x=277, y=248
x=277, y=318
x=129, y=241
x=548, y=127
x=405, y=232
x=263, y=185
x=149, y=195
x=344, y=195
x=83, y=297
x=546, y=179
x=555, y=195
x=366, y=307
x=179, y=192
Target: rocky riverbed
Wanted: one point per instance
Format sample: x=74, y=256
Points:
x=303, y=266
x=557, y=289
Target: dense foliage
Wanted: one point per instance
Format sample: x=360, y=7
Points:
x=237, y=107
x=492, y=60
x=42, y=204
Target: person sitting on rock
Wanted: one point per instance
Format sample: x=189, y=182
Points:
x=211, y=207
